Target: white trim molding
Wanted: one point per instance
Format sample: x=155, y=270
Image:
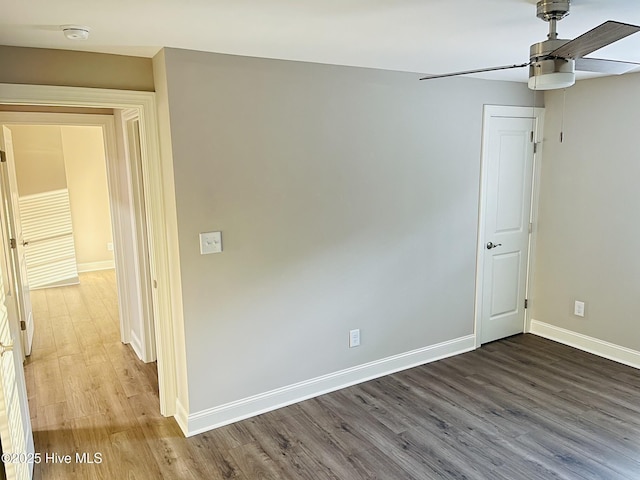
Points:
x=136, y=344
x=164, y=291
x=182, y=417
x=596, y=346
x=199, y=422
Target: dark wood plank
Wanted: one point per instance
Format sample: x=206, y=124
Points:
x=254, y=462
x=284, y=448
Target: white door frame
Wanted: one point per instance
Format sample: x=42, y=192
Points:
x=164, y=291
x=506, y=111
x=141, y=268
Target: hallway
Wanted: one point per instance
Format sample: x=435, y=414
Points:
x=88, y=393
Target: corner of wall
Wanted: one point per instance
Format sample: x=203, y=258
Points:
x=171, y=226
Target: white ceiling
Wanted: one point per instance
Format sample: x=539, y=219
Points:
x=425, y=36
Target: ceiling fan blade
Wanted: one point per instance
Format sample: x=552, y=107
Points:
x=605, y=66
x=479, y=70
x=601, y=36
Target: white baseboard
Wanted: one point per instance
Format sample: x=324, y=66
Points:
x=598, y=347
x=182, y=417
x=199, y=422
x=95, y=266
x=136, y=344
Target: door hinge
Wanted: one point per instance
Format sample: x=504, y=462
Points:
x=535, y=147
x=526, y=303
x=531, y=136
x=13, y=243
x=530, y=227
x=23, y=325
x=3, y=156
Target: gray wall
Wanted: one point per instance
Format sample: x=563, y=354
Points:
x=42, y=66
x=589, y=217
x=347, y=198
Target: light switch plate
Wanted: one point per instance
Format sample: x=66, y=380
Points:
x=210, y=242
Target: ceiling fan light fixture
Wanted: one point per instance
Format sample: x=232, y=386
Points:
x=552, y=81
x=552, y=74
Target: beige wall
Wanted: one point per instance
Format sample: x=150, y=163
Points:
x=87, y=179
x=53, y=157
x=40, y=66
x=590, y=210
x=39, y=159
x=347, y=198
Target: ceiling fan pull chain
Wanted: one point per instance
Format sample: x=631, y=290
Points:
x=564, y=104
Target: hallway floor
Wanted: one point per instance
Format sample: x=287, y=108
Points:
x=93, y=394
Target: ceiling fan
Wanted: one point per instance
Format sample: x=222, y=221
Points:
x=553, y=62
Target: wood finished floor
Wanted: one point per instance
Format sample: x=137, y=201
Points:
x=520, y=408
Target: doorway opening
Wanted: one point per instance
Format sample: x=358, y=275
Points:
x=166, y=288
x=86, y=254
x=74, y=186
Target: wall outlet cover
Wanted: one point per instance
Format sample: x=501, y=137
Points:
x=578, y=308
x=354, y=338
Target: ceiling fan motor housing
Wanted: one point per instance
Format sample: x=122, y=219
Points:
x=541, y=50
x=551, y=65
x=553, y=9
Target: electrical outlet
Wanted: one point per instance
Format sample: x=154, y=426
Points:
x=578, y=308
x=354, y=338
x=110, y=246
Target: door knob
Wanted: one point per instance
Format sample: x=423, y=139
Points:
x=5, y=348
x=491, y=245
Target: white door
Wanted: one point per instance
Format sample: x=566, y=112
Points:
x=10, y=202
x=508, y=153
x=15, y=424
